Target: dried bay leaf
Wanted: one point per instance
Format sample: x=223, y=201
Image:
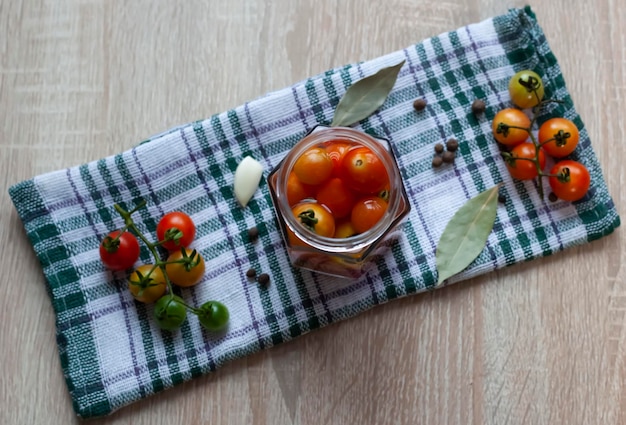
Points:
x=465, y=235
x=365, y=96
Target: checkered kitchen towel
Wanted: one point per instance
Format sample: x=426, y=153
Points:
x=111, y=351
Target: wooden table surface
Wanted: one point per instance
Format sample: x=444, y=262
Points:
x=538, y=343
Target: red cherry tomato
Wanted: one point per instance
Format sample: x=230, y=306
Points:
x=179, y=226
x=522, y=168
x=570, y=180
x=121, y=253
x=362, y=170
x=335, y=195
x=367, y=212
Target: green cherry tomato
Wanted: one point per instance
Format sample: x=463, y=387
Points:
x=170, y=312
x=526, y=89
x=213, y=316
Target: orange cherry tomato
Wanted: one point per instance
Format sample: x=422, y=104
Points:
x=335, y=195
x=315, y=217
x=144, y=288
x=182, y=274
x=362, y=170
x=522, y=168
x=367, y=212
x=502, y=123
x=313, y=166
x=558, y=137
x=570, y=180
x=344, y=229
x=298, y=191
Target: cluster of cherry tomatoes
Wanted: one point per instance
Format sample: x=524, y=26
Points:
x=152, y=283
x=557, y=138
x=338, y=189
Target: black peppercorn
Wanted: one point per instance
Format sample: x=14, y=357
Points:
x=419, y=104
x=502, y=199
x=437, y=161
x=251, y=273
x=448, y=157
x=264, y=279
x=478, y=107
x=253, y=234
x=552, y=197
x=439, y=148
x=452, y=145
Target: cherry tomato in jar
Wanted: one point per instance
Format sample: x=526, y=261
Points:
x=344, y=229
x=147, y=283
x=521, y=164
x=367, y=212
x=510, y=127
x=569, y=180
x=179, y=228
x=314, y=166
x=187, y=268
x=315, y=217
x=337, y=197
x=558, y=137
x=362, y=170
x=298, y=191
x=526, y=89
x=119, y=251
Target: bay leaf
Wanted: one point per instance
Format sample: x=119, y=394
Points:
x=465, y=235
x=365, y=96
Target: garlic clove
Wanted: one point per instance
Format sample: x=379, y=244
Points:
x=247, y=178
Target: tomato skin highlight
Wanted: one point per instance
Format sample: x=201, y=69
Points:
x=558, y=128
x=314, y=166
x=180, y=221
x=336, y=151
x=124, y=255
x=337, y=197
x=367, y=212
x=522, y=169
x=363, y=171
x=511, y=136
x=578, y=182
x=178, y=273
x=152, y=289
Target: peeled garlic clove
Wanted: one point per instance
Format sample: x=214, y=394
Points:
x=247, y=178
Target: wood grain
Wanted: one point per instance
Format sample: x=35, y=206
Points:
x=538, y=343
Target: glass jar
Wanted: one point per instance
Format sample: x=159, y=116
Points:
x=343, y=257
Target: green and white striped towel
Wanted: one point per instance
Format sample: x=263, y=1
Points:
x=112, y=353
